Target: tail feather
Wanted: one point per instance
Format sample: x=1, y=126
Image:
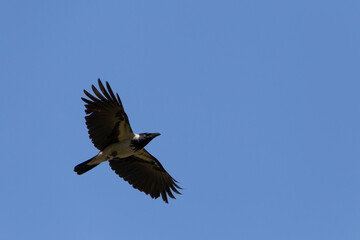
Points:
x=84, y=167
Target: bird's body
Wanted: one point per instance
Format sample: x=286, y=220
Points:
x=116, y=150
x=110, y=131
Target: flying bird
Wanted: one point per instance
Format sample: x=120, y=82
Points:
x=111, y=133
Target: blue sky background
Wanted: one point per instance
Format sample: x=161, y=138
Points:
x=257, y=103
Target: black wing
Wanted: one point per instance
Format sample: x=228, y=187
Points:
x=106, y=119
x=145, y=173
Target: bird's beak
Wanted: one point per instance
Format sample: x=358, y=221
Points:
x=156, y=134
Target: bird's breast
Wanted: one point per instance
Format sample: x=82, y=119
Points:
x=119, y=150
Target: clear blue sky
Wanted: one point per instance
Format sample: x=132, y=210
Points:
x=257, y=103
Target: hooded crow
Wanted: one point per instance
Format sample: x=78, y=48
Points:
x=111, y=133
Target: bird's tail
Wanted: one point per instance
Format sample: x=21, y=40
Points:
x=84, y=167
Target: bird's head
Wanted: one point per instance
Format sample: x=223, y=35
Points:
x=142, y=139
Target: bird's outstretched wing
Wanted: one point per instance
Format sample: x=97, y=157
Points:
x=145, y=173
x=106, y=119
